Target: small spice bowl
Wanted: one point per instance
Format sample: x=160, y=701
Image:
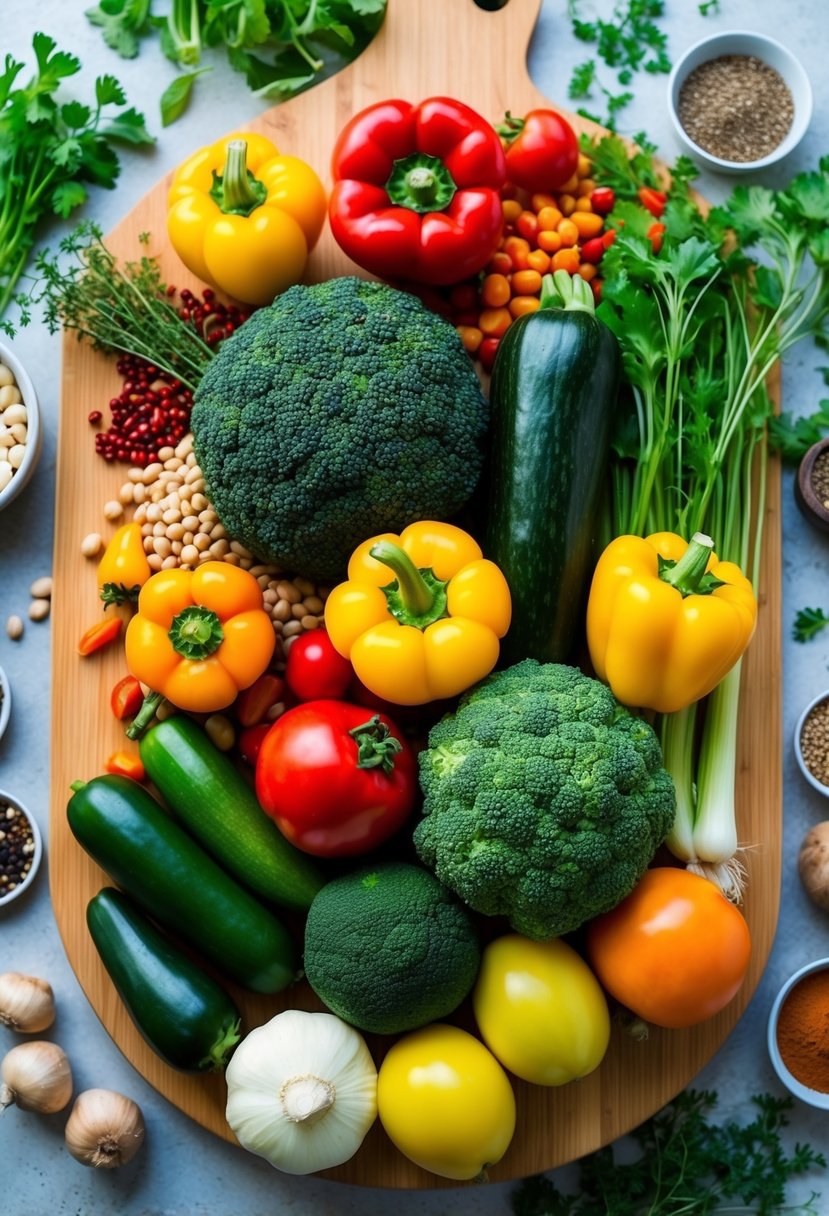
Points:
x=811, y=732
x=34, y=435
x=788, y=1047
x=771, y=53
x=811, y=486
x=5, y=702
x=9, y=802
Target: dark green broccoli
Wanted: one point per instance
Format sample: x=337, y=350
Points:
x=343, y=410
x=389, y=948
x=545, y=799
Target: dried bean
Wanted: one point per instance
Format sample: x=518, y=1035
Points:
x=41, y=588
x=39, y=610
x=91, y=544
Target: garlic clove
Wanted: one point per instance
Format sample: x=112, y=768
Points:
x=105, y=1129
x=27, y=1004
x=37, y=1077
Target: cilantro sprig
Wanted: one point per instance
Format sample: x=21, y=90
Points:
x=687, y=1166
x=808, y=624
x=51, y=147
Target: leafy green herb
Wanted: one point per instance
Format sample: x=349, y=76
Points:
x=792, y=437
x=50, y=148
x=709, y=6
x=281, y=46
x=118, y=307
x=808, y=624
x=687, y=1167
x=628, y=43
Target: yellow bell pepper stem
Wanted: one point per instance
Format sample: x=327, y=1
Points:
x=687, y=574
x=237, y=192
x=419, y=598
x=196, y=632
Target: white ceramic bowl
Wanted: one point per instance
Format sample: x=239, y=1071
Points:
x=798, y=751
x=814, y=1097
x=6, y=797
x=743, y=42
x=34, y=438
x=6, y=703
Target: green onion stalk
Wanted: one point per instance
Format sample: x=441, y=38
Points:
x=701, y=328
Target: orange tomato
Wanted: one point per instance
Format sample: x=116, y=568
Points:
x=675, y=951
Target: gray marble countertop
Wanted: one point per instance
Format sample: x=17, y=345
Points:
x=184, y=1171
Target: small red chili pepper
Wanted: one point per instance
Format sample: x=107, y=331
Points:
x=655, y=234
x=254, y=702
x=416, y=190
x=250, y=740
x=100, y=635
x=652, y=200
x=125, y=764
x=603, y=200
x=126, y=698
x=593, y=250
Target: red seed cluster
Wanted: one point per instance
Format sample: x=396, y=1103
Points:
x=152, y=410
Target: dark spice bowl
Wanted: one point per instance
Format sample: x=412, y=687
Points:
x=5, y=702
x=9, y=802
x=811, y=486
x=811, y=743
x=814, y=1097
x=771, y=53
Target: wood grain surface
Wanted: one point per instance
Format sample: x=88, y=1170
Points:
x=425, y=48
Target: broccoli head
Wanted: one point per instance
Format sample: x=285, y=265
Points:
x=545, y=799
x=343, y=410
x=389, y=948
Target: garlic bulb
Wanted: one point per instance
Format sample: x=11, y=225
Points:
x=302, y=1091
x=105, y=1129
x=36, y=1076
x=27, y=1003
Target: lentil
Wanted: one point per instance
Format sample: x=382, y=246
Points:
x=814, y=741
x=736, y=107
x=17, y=847
x=820, y=478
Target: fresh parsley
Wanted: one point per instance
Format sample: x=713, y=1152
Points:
x=281, y=46
x=687, y=1166
x=629, y=42
x=792, y=437
x=51, y=146
x=808, y=624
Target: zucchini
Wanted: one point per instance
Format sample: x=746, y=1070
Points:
x=168, y=875
x=552, y=398
x=211, y=798
x=181, y=1011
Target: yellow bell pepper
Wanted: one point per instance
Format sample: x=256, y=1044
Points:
x=666, y=620
x=123, y=570
x=421, y=615
x=199, y=637
x=244, y=218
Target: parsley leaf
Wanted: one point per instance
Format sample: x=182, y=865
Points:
x=628, y=43
x=808, y=624
x=792, y=438
x=122, y=23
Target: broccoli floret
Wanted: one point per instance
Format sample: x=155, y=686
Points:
x=545, y=799
x=343, y=410
x=389, y=948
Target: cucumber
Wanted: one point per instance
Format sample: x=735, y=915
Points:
x=184, y=1015
x=173, y=880
x=211, y=798
x=552, y=398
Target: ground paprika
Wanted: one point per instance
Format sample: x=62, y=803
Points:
x=803, y=1031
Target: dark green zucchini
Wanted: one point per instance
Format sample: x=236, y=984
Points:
x=552, y=397
x=184, y=1015
x=211, y=798
x=154, y=860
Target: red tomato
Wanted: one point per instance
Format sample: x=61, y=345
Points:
x=545, y=154
x=330, y=792
x=675, y=952
x=314, y=670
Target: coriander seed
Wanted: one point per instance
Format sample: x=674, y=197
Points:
x=814, y=741
x=736, y=107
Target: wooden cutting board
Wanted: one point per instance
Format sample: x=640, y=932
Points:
x=425, y=48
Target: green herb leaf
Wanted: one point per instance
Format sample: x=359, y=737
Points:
x=108, y=92
x=122, y=23
x=792, y=438
x=66, y=197
x=808, y=623
x=176, y=97
x=128, y=127
x=75, y=115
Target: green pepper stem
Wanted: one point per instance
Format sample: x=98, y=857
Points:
x=237, y=192
x=376, y=747
x=415, y=595
x=144, y=716
x=569, y=292
x=687, y=574
x=196, y=632
x=219, y=1051
x=77, y=785
x=421, y=183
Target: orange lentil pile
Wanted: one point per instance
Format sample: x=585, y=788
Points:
x=542, y=233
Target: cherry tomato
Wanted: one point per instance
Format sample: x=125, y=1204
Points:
x=314, y=670
x=675, y=951
x=337, y=779
x=445, y=1102
x=250, y=740
x=652, y=200
x=545, y=154
x=126, y=698
x=603, y=200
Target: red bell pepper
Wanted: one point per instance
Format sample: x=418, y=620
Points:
x=416, y=190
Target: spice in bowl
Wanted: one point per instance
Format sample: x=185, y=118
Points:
x=803, y=1031
x=736, y=107
x=813, y=742
x=18, y=847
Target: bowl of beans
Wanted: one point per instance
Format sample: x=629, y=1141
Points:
x=21, y=848
x=798, y=1034
x=739, y=101
x=811, y=743
x=20, y=431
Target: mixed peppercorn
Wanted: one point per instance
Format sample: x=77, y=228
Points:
x=17, y=848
